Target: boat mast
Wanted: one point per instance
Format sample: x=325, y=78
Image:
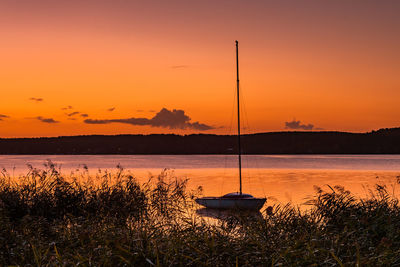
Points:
x=238, y=116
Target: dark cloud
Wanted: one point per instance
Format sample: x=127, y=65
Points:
x=47, y=120
x=179, y=67
x=111, y=109
x=67, y=107
x=152, y=110
x=73, y=114
x=2, y=117
x=296, y=125
x=175, y=119
x=84, y=115
x=36, y=99
x=139, y=110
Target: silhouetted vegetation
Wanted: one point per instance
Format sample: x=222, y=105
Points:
x=384, y=141
x=47, y=219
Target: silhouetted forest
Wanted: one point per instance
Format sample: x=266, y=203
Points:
x=383, y=141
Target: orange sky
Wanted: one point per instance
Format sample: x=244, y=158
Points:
x=332, y=64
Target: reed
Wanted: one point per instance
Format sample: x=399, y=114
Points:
x=47, y=219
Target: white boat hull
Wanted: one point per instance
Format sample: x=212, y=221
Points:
x=226, y=203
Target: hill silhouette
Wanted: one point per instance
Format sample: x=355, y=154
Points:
x=383, y=141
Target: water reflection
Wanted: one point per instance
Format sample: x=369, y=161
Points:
x=228, y=214
x=229, y=218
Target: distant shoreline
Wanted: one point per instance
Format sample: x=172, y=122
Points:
x=383, y=141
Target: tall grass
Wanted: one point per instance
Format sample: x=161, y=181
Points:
x=47, y=219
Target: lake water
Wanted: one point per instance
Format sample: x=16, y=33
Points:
x=280, y=178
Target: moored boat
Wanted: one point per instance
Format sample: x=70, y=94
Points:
x=237, y=200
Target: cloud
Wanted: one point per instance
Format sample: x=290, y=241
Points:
x=179, y=67
x=152, y=110
x=73, y=114
x=111, y=109
x=296, y=125
x=2, y=117
x=175, y=119
x=67, y=107
x=47, y=120
x=36, y=99
x=139, y=110
x=84, y=115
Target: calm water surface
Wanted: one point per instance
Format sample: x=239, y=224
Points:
x=281, y=178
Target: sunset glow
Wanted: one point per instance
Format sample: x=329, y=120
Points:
x=334, y=65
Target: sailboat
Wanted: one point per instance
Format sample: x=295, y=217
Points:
x=236, y=200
